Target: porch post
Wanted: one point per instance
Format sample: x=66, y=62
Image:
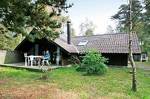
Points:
x=141, y=58
x=26, y=59
x=58, y=56
x=36, y=49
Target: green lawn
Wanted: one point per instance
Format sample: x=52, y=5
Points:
x=67, y=83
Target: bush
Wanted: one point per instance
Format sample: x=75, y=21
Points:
x=94, y=63
x=80, y=68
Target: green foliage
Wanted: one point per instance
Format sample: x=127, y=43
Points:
x=94, y=63
x=2, y=38
x=147, y=8
x=146, y=46
x=123, y=15
x=140, y=20
x=42, y=16
x=7, y=42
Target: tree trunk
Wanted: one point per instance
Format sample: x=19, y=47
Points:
x=134, y=82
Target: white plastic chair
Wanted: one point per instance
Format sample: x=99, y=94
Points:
x=30, y=60
x=45, y=61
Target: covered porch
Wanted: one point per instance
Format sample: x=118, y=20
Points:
x=58, y=55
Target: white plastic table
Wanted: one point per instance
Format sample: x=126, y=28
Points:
x=31, y=59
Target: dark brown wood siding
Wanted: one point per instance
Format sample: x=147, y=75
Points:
x=116, y=59
x=113, y=59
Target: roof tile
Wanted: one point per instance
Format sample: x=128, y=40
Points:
x=108, y=43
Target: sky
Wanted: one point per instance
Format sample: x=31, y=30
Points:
x=97, y=11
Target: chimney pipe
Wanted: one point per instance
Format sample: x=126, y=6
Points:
x=68, y=32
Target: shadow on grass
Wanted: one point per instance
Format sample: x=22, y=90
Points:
x=84, y=73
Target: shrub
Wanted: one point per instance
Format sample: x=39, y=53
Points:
x=80, y=68
x=94, y=63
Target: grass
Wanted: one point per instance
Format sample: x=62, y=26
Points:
x=116, y=84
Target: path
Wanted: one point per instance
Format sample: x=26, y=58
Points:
x=143, y=65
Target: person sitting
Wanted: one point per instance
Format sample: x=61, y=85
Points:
x=46, y=58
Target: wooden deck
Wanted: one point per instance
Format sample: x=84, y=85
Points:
x=38, y=68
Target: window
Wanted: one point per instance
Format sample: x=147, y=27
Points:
x=83, y=43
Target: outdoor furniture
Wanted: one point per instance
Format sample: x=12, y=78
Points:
x=29, y=60
x=45, y=61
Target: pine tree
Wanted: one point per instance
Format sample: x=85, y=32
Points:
x=146, y=35
x=123, y=16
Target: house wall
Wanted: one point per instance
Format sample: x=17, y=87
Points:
x=64, y=61
x=10, y=57
x=113, y=59
x=71, y=59
x=137, y=57
x=116, y=59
